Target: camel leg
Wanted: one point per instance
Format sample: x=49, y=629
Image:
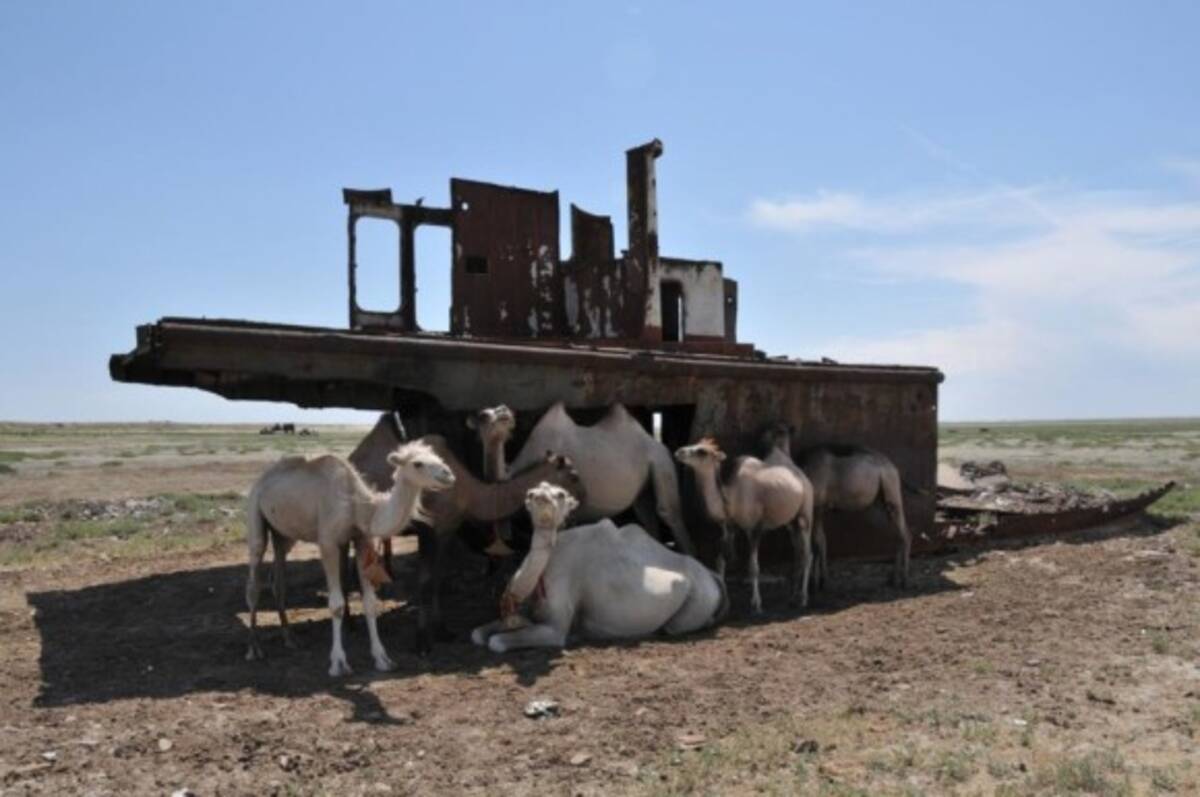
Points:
x=551, y=634
x=429, y=580
x=895, y=509
x=801, y=531
x=279, y=546
x=753, y=538
x=387, y=558
x=256, y=543
x=331, y=561
x=483, y=633
x=821, y=551
x=349, y=575
x=371, y=609
x=666, y=496
x=726, y=556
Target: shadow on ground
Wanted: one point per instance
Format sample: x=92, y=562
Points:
x=179, y=633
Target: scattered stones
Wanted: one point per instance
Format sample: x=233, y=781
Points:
x=690, y=741
x=165, y=745
x=50, y=755
x=806, y=746
x=579, y=759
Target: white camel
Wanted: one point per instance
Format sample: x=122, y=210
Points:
x=615, y=458
x=325, y=501
x=602, y=581
x=757, y=498
x=850, y=478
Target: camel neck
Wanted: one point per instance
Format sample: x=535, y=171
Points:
x=710, y=490
x=391, y=512
x=525, y=580
x=499, y=500
x=494, y=466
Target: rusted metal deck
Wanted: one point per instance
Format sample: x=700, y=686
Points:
x=435, y=380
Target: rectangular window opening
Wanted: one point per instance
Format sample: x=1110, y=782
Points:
x=672, y=311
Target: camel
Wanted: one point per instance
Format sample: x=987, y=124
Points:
x=851, y=478
x=605, y=582
x=494, y=426
x=777, y=440
x=325, y=501
x=615, y=458
x=468, y=500
x=756, y=497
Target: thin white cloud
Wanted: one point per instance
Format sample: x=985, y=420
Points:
x=1053, y=290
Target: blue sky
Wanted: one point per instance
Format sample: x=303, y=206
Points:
x=1010, y=191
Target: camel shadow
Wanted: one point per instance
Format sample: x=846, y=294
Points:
x=174, y=634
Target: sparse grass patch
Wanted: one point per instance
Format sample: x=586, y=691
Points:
x=1160, y=643
x=1100, y=773
x=6, y=469
x=955, y=766
x=1162, y=779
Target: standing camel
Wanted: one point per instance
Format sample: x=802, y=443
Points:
x=852, y=478
x=615, y=458
x=468, y=500
x=602, y=581
x=755, y=497
x=495, y=426
x=325, y=501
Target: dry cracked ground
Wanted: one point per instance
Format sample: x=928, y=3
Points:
x=1062, y=666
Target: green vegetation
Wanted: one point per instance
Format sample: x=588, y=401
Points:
x=1098, y=773
x=165, y=523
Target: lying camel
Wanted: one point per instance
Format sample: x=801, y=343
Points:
x=605, y=582
x=468, y=500
x=615, y=458
x=325, y=501
x=851, y=478
x=755, y=497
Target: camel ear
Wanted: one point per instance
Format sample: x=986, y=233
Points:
x=571, y=503
x=394, y=460
x=719, y=455
x=472, y=424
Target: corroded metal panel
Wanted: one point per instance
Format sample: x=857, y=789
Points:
x=591, y=236
x=506, y=280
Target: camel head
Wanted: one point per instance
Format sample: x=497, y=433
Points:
x=548, y=506
x=493, y=423
x=705, y=454
x=778, y=435
x=417, y=464
x=566, y=476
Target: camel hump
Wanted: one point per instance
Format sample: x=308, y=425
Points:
x=617, y=415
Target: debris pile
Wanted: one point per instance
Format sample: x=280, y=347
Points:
x=980, y=501
x=987, y=487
